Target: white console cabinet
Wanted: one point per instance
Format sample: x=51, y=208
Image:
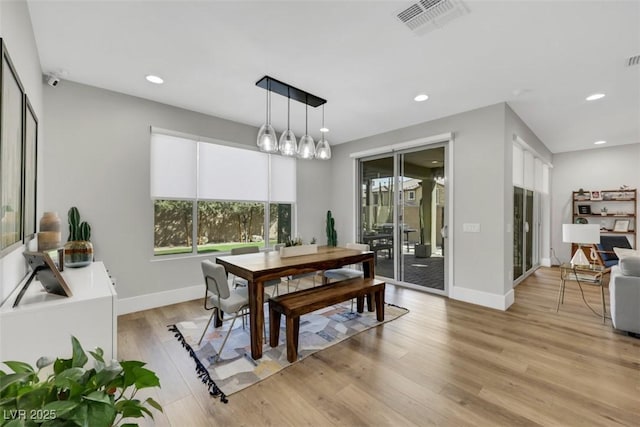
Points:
x=42, y=324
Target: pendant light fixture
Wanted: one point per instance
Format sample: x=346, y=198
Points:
x=307, y=148
x=288, y=143
x=323, y=150
x=267, y=138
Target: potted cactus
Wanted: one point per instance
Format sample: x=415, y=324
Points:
x=78, y=251
x=332, y=235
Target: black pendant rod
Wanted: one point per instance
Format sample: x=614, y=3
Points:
x=284, y=89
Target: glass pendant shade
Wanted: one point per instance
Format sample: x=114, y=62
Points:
x=267, y=138
x=306, y=148
x=288, y=143
x=323, y=150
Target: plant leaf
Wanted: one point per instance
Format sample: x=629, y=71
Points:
x=79, y=358
x=18, y=422
x=7, y=380
x=60, y=407
x=129, y=374
x=145, y=378
x=154, y=404
x=100, y=414
x=99, y=396
x=19, y=367
x=43, y=362
x=98, y=354
x=60, y=365
x=35, y=398
x=69, y=376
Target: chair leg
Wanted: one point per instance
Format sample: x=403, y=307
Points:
x=208, y=323
x=227, y=336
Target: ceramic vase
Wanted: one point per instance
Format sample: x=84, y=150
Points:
x=50, y=236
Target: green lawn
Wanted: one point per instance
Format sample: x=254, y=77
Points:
x=210, y=247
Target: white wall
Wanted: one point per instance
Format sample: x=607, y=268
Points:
x=597, y=169
x=17, y=33
x=481, y=187
x=97, y=158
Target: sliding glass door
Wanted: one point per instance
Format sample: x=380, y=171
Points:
x=402, y=215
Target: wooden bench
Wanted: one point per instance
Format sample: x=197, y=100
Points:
x=295, y=304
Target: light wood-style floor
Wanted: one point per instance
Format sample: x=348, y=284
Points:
x=444, y=363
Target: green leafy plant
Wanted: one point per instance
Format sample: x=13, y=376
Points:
x=332, y=234
x=295, y=242
x=78, y=230
x=74, y=395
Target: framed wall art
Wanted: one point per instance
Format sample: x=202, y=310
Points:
x=30, y=169
x=596, y=195
x=11, y=152
x=621, y=225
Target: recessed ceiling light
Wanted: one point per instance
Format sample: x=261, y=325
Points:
x=434, y=162
x=154, y=79
x=324, y=130
x=600, y=142
x=595, y=96
x=421, y=97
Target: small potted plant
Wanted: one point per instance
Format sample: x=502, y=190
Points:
x=603, y=211
x=74, y=395
x=78, y=251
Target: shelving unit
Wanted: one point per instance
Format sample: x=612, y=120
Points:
x=619, y=204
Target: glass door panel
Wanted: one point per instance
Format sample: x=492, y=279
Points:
x=420, y=250
x=518, y=235
x=402, y=216
x=377, y=181
x=528, y=231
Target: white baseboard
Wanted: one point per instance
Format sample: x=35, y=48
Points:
x=485, y=299
x=545, y=262
x=159, y=299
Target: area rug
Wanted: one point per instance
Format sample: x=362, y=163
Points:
x=236, y=369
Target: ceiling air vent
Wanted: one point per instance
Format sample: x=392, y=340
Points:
x=426, y=15
x=634, y=60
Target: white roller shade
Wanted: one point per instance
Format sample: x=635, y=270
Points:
x=229, y=173
x=283, y=179
x=545, y=179
x=538, y=175
x=173, y=167
x=518, y=166
x=528, y=171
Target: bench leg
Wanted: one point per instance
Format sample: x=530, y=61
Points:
x=360, y=304
x=274, y=327
x=369, y=301
x=293, y=328
x=380, y=305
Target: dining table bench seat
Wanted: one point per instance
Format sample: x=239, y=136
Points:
x=295, y=304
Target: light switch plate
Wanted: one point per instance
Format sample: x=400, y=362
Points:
x=471, y=228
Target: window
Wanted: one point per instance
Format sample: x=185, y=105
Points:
x=212, y=197
x=411, y=195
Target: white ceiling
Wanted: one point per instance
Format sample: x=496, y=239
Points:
x=542, y=57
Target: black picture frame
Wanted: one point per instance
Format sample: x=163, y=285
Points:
x=11, y=154
x=30, y=170
x=584, y=209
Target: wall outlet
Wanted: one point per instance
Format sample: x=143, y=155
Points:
x=471, y=228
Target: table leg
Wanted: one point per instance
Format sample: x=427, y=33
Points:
x=560, y=294
x=256, y=316
x=604, y=307
x=369, y=268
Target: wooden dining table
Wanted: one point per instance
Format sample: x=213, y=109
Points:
x=256, y=268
